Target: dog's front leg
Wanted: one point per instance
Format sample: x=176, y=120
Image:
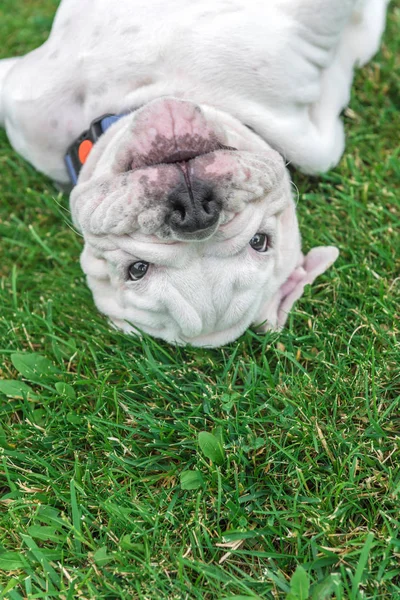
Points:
x=324, y=41
x=358, y=42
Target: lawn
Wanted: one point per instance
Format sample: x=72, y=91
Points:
x=133, y=469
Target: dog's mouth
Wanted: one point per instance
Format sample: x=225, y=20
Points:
x=170, y=131
x=182, y=157
x=160, y=154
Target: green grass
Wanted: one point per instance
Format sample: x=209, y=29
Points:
x=306, y=423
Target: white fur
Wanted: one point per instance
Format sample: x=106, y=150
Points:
x=282, y=67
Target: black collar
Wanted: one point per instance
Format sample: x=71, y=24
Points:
x=79, y=150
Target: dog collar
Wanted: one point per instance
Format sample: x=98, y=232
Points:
x=80, y=149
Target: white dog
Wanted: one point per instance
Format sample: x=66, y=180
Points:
x=185, y=203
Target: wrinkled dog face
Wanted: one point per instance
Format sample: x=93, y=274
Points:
x=189, y=225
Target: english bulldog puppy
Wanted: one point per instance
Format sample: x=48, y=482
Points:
x=175, y=120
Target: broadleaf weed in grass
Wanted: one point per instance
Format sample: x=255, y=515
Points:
x=191, y=480
x=330, y=585
x=34, y=367
x=299, y=585
x=211, y=447
x=16, y=389
x=64, y=389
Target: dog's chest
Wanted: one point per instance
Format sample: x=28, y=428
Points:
x=187, y=46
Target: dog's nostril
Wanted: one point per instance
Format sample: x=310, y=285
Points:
x=178, y=207
x=207, y=202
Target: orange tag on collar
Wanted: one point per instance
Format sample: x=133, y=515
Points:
x=84, y=149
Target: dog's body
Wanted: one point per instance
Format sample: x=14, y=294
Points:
x=202, y=71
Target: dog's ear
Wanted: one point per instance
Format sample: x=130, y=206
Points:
x=274, y=314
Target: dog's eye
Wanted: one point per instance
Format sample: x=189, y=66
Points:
x=260, y=242
x=137, y=270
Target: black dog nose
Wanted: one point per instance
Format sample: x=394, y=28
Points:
x=192, y=208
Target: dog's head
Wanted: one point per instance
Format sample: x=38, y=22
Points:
x=190, y=227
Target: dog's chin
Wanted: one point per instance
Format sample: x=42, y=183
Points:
x=214, y=339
